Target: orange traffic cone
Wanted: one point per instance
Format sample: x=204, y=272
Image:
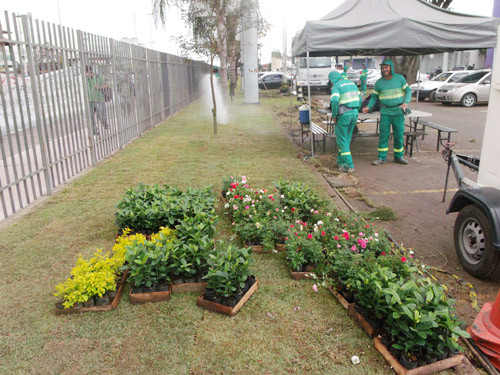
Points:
x=485, y=331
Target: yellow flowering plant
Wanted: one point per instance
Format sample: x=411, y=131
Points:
x=98, y=275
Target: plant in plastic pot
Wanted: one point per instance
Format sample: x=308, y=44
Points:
x=228, y=273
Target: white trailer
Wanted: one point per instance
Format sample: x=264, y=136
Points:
x=477, y=226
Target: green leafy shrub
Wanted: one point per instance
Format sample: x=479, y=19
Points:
x=148, y=208
x=228, y=270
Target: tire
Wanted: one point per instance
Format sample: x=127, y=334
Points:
x=468, y=100
x=473, y=244
x=432, y=96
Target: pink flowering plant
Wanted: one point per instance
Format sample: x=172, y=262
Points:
x=303, y=248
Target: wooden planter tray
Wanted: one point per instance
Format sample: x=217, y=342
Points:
x=280, y=247
x=60, y=310
x=138, y=298
x=422, y=370
x=189, y=287
x=231, y=311
x=340, y=297
x=300, y=275
x=258, y=249
x=361, y=321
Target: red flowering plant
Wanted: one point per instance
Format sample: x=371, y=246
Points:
x=304, y=249
x=302, y=202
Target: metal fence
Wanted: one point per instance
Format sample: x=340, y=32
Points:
x=70, y=98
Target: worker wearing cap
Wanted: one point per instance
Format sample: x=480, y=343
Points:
x=344, y=73
x=394, y=95
x=362, y=80
x=345, y=102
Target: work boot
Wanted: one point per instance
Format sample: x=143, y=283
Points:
x=400, y=161
x=378, y=162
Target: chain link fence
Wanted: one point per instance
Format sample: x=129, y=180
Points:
x=71, y=98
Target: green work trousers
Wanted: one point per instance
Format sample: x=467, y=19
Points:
x=363, y=88
x=398, y=126
x=343, y=132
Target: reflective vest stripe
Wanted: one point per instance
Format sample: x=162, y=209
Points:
x=383, y=149
x=335, y=94
x=376, y=92
x=349, y=97
x=399, y=149
x=345, y=153
x=391, y=94
x=404, y=87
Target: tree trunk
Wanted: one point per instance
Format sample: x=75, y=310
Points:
x=233, y=66
x=214, y=109
x=408, y=67
x=222, y=35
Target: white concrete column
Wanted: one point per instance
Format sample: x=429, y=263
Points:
x=250, y=65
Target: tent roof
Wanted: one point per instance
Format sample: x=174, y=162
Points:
x=393, y=27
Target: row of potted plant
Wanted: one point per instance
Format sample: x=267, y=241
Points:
x=146, y=209
x=415, y=313
x=261, y=216
x=94, y=281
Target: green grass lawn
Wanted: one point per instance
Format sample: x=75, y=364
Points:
x=284, y=328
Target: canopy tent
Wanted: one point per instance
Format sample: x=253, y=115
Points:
x=391, y=28
x=395, y=28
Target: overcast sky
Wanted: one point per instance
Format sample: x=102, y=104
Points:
x=132, y=18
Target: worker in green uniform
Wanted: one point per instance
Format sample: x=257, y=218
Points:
x=394, y=95
x=362, y=80
x=344, y=73
x=345, y=102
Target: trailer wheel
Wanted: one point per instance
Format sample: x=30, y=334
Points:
x=473, y=245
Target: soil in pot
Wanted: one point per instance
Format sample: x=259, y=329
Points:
x=209, y=294
x=101, y=301
x=431, y=360
x=178, y=281
x=408, y=363
x=217, y=299
x=137, y=289
x=150, y=289
x=229, y=301
x=395, y=352
x=89, y=303
x=162, y=287
x=190, y=280
x=111, y=295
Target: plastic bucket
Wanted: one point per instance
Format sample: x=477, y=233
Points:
x=304, y=114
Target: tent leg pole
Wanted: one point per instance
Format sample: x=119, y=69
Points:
x=418, y=78
x=310, y=108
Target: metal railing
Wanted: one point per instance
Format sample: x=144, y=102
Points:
x=70, y=98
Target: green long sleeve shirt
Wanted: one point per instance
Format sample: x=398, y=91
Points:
x=391, y=93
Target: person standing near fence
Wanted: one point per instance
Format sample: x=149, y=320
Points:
x=96, y=87
x=394, y=95
x=362, y=80
x=345, y=102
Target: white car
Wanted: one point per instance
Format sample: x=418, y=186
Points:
x=469, y=90
x=428, y=89
x=373, y=76
x=422, y=77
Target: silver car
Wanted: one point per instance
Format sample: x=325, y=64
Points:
x=467, y=91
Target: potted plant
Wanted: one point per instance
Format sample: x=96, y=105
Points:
x=229, y=280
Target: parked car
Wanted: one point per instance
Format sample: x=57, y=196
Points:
x=373, y=76
x=467, y=91
x=272, y=80
x=422, y=77
x=428, y=89
x=353, y=75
